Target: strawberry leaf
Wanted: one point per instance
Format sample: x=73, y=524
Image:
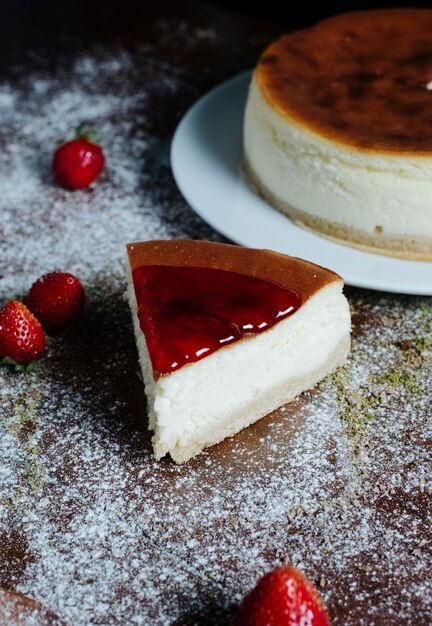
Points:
x=31, y=367
x=85, y=132
x=8, y=361
x=19, y=367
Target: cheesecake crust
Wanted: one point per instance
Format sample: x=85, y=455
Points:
x=377, y=242
x=304, y=277
x=363, y=79
x=254, y=411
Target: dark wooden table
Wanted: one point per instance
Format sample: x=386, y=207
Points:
x=90, y=525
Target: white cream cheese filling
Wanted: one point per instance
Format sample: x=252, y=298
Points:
x=366, y=191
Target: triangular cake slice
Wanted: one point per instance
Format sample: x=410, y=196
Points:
x=226, y=335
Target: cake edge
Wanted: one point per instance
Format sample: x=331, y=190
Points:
x=283, y=269
x=352, y=238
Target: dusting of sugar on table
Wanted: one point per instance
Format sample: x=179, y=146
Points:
x=336, y=482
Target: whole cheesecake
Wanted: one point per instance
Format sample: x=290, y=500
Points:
x=338, y=129
x=226, y=335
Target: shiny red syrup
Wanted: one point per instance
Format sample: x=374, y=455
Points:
x=186, y=313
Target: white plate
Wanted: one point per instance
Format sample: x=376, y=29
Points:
x=206, y=155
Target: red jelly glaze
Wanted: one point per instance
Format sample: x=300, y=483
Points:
x=186, y=313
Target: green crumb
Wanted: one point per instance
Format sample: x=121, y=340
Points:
x=425, y=318
x=422, y=343
x=354, y=419
x=24, y=416
x=415, y=350
x=32, y=450
x=34, y=474
x=341, y=503
x=19, y=492
x=24, y=427
x=6, y=504
x=355, y=407
x=396, y=379
x=297, y=511
x=426, y=309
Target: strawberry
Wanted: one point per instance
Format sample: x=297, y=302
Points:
x=283, y=597
x=56, y=299
x=78, y=162
x=22, y=338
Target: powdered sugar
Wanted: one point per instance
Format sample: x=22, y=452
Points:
x=101, y=92
x=335, y=483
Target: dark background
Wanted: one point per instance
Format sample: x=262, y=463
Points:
x=298, y=13
x=73, y=15
x=48, y=27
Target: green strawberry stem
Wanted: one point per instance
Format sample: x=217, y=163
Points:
x=19, y=367
x=84, y=132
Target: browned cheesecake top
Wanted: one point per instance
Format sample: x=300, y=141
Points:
x=302, y=276
x=361, y=79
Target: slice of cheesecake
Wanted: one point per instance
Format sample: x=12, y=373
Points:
x=226, y=335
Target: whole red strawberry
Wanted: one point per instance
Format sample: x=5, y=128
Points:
x=56, y=299
x=78, y=162
x=283, y=597
x=22, y=338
